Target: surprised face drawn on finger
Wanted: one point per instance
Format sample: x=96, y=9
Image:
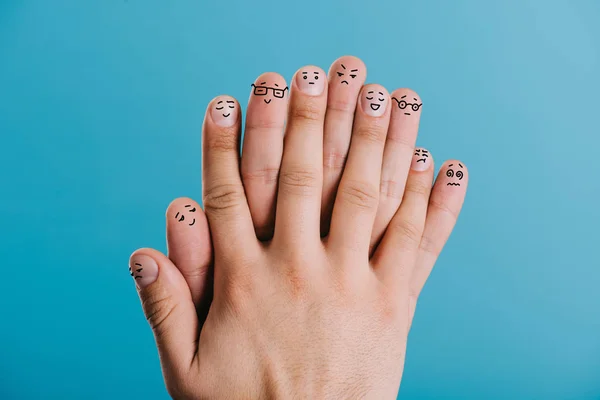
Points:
x=181, y=216
x=455, y=174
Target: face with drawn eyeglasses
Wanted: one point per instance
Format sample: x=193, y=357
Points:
x=403, y=104
x=262, y=89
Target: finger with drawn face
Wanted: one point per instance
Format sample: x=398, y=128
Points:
x=190, y=249
x=346, y=77
x=445, y=203
x=262, y=149
x=398, y=153
x=358, y=193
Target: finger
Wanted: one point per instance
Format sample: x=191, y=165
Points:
x=358, y=194
x=444, y=207
x=397, y=156
x=301, y=176
x=346, y=77
x=169, y=308
x=223, y=193
x=395, y=257
x=262, y=149
x=190, y=249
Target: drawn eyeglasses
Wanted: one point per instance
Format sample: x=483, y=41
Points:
x=263, y=90
x=403, y=104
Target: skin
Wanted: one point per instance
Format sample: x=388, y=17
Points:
x=275, y=298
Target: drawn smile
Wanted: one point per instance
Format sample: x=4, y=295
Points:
x=375, y=106
x=267, y=101
x=226, y=115
x=193, y=222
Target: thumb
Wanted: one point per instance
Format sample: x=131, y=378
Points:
x=168, y=307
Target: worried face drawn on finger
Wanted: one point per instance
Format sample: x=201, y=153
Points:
x=180, y=217
x=422, y=155
x=346, y=75
x=376, y=99
x=455, y=173
x=403, y=104
x=225, y=107
x=310, y=78
x=263, y=90
x=136, y=271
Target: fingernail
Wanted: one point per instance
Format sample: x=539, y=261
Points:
x=143, y=269
x=224, y=111
x=373, y=101
x=421, y=160
x=311, y=81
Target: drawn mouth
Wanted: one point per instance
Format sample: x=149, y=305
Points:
x=311, y=83
x=346, y=82
x=268, y=101
x=421, y=159
x=226, y=115
x=452, y=184
x=406, y=113
x=375, y=107
x=193, y=222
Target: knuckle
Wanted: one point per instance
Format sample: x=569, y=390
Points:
x=158, y=309
x=371, y=133
x=223, y=197
x=391, y=189
x=359, y=194
x=418, y=187
x=306, y=111
x=225, y=140
x=334, y=160
x=266, y=175
x=430, y=246
x=408, y=232
x=299, y=180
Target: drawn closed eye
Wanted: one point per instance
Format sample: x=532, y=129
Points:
x=369, y=98
x=193, y=209
x=381, y=99
x=219, y=108
x=231, y=107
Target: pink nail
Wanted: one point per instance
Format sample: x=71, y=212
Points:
x=421, y=160
x=224, y=111
x=143, y=269
x=373, y=100
x=311, y=81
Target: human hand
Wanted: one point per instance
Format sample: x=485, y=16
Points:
x=300, y=316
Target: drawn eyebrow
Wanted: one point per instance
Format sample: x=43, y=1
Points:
x=354, y=70
x=403, y=97
x=220, y=102
x=343, y=66
x=415, y=99
x=262, y=83
x=424, y=151
x=189, y=205
x=460, y=164
x=450, y=165
x=316, y=73
x=138, y=264
x=305, y=73
x=230, y=101
x=370, y=92
x=380, y=93
x=176, y=215
x=276, y=84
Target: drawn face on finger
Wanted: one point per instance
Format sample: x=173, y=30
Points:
x=136, y=271
x=455, y=174
x=270, y=91
x=408, y=105
x=189, y=213
x=346, y=75
x=375, y=99
x=225, y=107
x=422, y=155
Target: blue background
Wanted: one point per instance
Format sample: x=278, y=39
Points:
x=101, y=104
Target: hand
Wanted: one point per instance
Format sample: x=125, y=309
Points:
x=301, y=316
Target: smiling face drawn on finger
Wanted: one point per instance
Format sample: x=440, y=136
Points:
x=376, y=99
x=136, y=271
x=406, y=107
x=422, y=155
x=263, y=89
x=346, y=75
x=455, y=173
x=180, y=217
x=225, y=107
